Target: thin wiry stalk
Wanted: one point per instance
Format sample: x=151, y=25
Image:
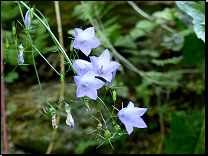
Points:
x=58, y=17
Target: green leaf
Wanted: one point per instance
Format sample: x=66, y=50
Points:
x=173, y=60
x=185, y=138
x=193, y=50
x=197, y=12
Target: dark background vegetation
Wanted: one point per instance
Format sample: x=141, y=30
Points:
x=175, y=113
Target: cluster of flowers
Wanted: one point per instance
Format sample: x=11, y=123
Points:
x=87, y=84
x=86, y=81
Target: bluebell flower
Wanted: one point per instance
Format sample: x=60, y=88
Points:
x=130, y=116
x=85, y=40
x=82, y=66
x=102, y=65
x=88, y=85
x=27, y=20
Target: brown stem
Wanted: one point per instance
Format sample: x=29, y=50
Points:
x=58, y=17
x=3, y=103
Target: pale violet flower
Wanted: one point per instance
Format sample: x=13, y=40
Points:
x=82, y=66
x=27, y=20
x=130, y=116
x=88, y=85
x=85, y=40
x=102, y=65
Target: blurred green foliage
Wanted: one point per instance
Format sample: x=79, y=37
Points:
x=187, y=138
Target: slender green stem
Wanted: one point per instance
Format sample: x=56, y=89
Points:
x=101, y=113
x=54, y=39
x=106, y=109
x=46, y=60
x=21, y=11
x=89, y=110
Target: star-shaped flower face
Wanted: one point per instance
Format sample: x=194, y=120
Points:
x=87, y=85
x=85, y=40
x=82, y=66
x=102, y=65
x=130, y=116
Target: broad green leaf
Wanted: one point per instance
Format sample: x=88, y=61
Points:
x=186, y=138
x=197, y=12
x=193, y=50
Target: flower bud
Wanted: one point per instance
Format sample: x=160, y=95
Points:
x=99, y=126
x=27, y=20
x=117, y=129
x=52, y=111
x=114, y=95
x=62, y=78
x=107, y=134
x=20, y=59
x=7, y=43
x=13, y=28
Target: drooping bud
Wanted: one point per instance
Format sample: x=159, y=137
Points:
x=20, y=59
x=69, y=119
x=107, y=134
x=52, y=112
x=114, y=95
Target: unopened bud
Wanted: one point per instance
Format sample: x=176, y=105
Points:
x=20, y=59
x=107, y=134
x=27, y=20
x=62, y=78
x=99, y=126
x=117, y=129
x=114, y=95
x=7, y=43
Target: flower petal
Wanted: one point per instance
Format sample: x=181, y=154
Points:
x=93, y=42
x=104, y=58
x=112, y=65
x=92, y=93
x=78, y=33
x=76, y=44
x=97, y=83
x=85, y=49
x=88, y=33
